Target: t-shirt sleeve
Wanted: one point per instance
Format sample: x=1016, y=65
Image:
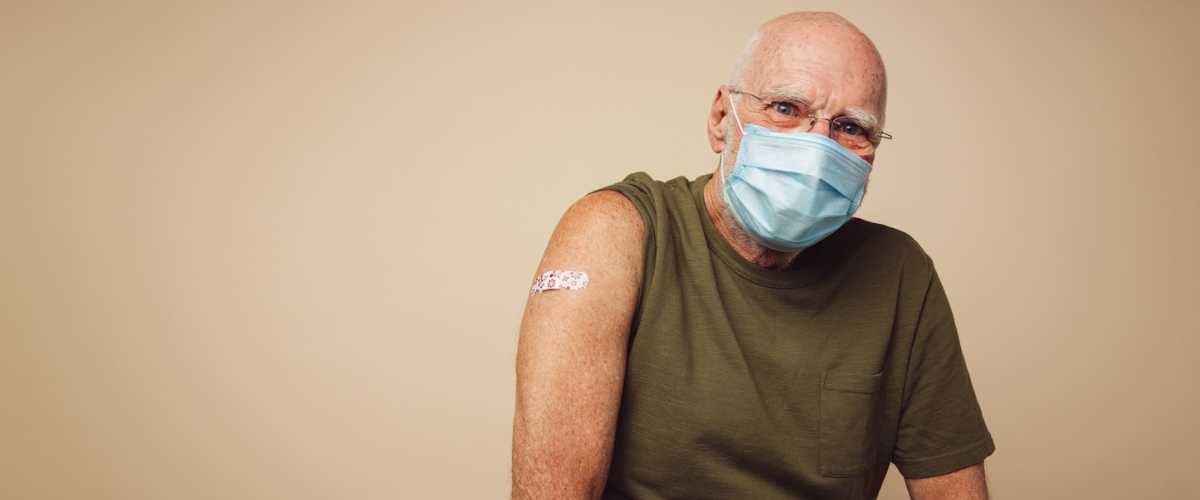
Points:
x=941, y=425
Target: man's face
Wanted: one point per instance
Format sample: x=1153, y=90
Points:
x=831, y=67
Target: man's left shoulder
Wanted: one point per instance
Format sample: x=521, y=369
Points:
x=877, y=241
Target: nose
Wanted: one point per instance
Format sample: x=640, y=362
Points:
x=815, y=125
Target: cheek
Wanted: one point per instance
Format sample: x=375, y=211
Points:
x=729, y=155
x=733, y=139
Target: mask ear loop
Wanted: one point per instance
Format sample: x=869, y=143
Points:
x=724, y=176
x=733, y=108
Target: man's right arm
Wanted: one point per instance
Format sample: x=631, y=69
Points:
x=572, y=350
x=964, y=484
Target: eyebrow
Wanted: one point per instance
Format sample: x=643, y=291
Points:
x=863, y=118
x=784, y=91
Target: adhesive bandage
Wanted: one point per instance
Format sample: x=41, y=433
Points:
x=559, y=280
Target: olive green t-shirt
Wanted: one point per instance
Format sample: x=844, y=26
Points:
x=744, y=382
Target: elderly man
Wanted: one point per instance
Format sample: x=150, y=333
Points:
x=740, y=335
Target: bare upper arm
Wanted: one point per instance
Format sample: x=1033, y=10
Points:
x=571, y=353
x=968, y=483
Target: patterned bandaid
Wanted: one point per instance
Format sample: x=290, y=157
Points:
x=559, y=280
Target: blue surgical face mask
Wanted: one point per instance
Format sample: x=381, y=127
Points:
x=791, y=190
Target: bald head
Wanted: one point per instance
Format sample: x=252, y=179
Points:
x=817, y=49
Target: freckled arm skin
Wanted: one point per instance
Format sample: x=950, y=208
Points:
x=572, y=350
x=963, y=484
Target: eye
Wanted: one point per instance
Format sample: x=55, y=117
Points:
x=784, y=108
x=850, y=128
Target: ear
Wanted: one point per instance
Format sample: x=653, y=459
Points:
x=716, y=120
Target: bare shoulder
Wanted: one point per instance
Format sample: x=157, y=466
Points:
x=600, y=235
x=603, y=228
x=610, y=203
x=606, y=214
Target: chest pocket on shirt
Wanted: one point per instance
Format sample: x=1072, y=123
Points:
x=849, y=423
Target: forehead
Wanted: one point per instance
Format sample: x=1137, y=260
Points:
x=832, y=66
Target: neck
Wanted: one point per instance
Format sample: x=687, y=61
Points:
x=737, y=237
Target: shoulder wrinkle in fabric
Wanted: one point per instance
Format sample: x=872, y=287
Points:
x=791, y=190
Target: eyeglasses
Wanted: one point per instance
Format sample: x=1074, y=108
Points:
x=797, y=116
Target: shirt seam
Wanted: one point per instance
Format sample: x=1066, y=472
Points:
x=922, y=467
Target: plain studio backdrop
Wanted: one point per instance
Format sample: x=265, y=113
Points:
x=280, y=249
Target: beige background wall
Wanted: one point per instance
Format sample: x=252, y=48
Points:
x=280, y=249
